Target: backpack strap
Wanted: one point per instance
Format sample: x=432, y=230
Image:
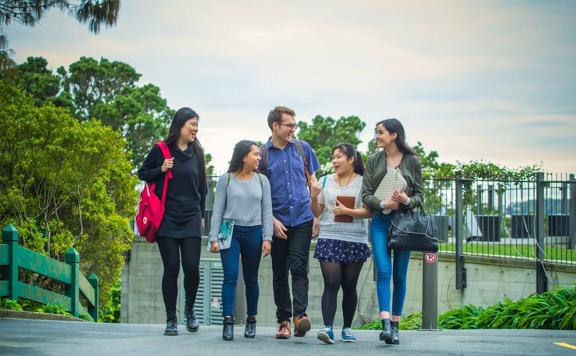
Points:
x=168, y=175
x=167, y=155
x=303, y=155
x=299, y=148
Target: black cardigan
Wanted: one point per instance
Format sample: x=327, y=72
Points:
x=185, y=196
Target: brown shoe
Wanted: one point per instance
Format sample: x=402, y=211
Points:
x=283, y=330
x=301, y=325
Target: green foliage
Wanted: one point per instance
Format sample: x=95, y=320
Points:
x=411, y=322
x=111, y=313
x=86, y=317
x=52, y=309
x=10, y=304
x=104, y=90
x=65, y=183
x=325, y=132
x=555, y=309
x=108, y=90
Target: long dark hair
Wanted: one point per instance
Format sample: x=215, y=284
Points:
x=395, y=126
x=349, y=151
x=241, y=150
x=178, y=120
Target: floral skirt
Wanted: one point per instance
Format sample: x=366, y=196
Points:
x=343, y=252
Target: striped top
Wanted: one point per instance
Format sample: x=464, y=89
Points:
x=355, y=231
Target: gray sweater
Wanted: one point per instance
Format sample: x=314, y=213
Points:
x=246, y=202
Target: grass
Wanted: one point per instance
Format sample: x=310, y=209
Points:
x=516, y=251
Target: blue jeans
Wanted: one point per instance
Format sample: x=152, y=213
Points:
x=384, y=269
x=246, y=241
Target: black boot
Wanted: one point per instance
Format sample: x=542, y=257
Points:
x=171, y=324
x=250, y=330
x=192, y=323
x=395, y=334
x=386, y=333
x=228, y=329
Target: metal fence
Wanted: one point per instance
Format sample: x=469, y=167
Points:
x=532, y=220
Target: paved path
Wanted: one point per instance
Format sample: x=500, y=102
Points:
x=40, y=337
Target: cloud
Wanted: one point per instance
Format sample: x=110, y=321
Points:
x=472, y=80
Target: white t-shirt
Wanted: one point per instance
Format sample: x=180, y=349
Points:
x=355, y=231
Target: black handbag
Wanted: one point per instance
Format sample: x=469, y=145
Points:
x=414, y=231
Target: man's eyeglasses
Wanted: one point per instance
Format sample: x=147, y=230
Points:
x=289, y=126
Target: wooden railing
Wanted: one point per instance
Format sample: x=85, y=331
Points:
x=14, y=257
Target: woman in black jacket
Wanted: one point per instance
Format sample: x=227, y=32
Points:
x=181, y=228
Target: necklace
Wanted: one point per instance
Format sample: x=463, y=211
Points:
x=396, y=161
x=348, y=182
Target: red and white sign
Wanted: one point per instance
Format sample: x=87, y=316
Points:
x=430, y=257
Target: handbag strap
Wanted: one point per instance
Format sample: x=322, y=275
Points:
x=168, y=175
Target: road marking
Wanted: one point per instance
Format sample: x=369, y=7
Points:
x=563, y=344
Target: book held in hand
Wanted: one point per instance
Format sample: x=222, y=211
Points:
x=393, y=180
x=347, y=201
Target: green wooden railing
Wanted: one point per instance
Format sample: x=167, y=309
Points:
x=14, y=257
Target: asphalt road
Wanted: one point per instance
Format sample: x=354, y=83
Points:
x=41, y=337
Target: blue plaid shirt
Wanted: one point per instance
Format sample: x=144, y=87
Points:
x=290, y=194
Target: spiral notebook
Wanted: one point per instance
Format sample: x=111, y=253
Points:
x=393, y=180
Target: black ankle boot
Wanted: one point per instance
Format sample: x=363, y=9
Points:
x=228, y=328
x=386, y=333
x=171, y=324
x=250, y=330
x=192, y=323
x=395, y=334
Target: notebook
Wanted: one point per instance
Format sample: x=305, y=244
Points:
x=347, y=201
x=393, y=180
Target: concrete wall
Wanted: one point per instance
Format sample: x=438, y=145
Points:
x=488, y=281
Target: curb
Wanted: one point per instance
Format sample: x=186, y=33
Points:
x=13, y=314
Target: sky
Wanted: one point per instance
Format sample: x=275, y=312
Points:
x=472, y=80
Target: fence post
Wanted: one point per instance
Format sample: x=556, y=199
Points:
x=572, y=220
x=72, y=258
x=93, y=280
x=10, y=237
x=541, y=280
x=459, y=234
x=430, y=291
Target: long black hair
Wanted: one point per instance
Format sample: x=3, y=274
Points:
x=178, y=120
x=395, y=126
x=241, y=150
x=350, y=152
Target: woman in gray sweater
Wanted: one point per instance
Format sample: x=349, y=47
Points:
x=241, y=225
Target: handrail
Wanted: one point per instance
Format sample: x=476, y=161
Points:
x=15, y=257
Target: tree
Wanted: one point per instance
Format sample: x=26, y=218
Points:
x=325, y=132
x=29, y=12
x=34, y=77
x=65, y=183
x=109, y=92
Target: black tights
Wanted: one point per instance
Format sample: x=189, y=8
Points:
x=171, y=249
x=336, y=275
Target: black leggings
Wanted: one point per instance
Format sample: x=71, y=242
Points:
x=171, y=249
x=336, y=275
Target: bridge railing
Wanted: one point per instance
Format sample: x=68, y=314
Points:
x=14, y=257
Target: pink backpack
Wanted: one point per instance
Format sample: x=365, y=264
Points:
x=150, y=208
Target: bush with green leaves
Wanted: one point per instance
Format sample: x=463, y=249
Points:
x=65, y=183
x=555, y=309
x=411, y=322
x=10, y=304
